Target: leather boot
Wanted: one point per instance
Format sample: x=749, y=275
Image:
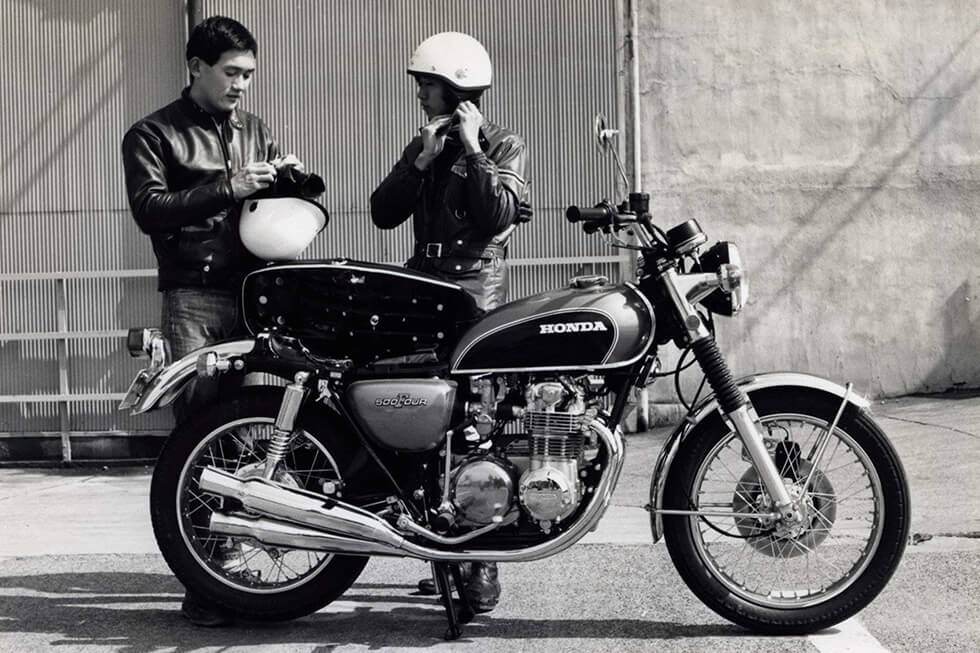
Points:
x=427, y=586
x=482, y=587
x=200, y=614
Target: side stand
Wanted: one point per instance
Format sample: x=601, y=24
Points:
x=457, y=613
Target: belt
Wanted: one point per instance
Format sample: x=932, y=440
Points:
x=458, y=250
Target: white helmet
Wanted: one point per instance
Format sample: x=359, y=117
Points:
x=456, y=58
x=280, y=228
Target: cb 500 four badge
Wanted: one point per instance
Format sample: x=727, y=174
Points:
x=573, y=327
x=400, y=400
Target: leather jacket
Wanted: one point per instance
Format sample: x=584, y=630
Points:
x=463, y=206
x=178, y=162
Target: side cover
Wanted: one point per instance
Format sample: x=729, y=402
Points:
x=595, y=328
x=404, y=415
x=361, y=311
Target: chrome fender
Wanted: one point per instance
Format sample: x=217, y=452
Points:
x=166, y=386
x=709, y=406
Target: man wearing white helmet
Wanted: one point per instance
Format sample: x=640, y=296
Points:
x=462, y=179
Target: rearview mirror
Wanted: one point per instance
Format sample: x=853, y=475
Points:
x=602, y=133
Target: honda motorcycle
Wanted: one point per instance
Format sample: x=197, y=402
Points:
x=409, y=423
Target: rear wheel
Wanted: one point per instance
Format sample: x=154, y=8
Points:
x=752, y=568
x=244, y=577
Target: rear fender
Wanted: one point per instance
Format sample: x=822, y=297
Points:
x=709, y=407
x=173, y=379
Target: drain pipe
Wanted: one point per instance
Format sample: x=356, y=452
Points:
x=642, y=394
x=195, y=14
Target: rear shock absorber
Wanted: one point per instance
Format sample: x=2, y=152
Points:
x=292, y=399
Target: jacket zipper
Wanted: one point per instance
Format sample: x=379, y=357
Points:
x=224, y=147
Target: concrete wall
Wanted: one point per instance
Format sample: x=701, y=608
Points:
x=838, y=143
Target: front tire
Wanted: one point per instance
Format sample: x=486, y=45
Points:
x=240, y=576
x=755, y=571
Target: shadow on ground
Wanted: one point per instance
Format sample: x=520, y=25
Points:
x=136, y=612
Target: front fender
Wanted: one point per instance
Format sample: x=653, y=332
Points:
x=709, y=406
x=166, y=386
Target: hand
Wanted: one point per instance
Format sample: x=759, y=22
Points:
x=252, y=178
x=524, y=211
x=288, y=160
x=470, y=121
x=433, y=140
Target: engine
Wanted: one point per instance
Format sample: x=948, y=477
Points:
x=550, y=489
x=541, y=472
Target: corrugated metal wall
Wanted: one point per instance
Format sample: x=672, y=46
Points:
x=332, y=85
x=73, y=75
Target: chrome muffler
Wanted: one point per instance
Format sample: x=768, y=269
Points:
x=302, y=507
x=279, y=533
x=301, y=519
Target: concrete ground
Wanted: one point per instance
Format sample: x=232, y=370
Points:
x=79, y=569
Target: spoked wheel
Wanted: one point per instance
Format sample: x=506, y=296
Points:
x=247, y=578
x=753, y=568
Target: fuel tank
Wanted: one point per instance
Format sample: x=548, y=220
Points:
x=596, y=327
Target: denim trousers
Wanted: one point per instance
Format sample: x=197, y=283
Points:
x=193, y=318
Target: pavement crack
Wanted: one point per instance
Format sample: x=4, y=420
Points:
x=935, y=426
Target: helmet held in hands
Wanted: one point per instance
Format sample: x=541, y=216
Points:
x=280, y=228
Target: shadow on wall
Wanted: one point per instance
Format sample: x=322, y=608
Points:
x=34, y=156
x=819, y=218
x=117, y=60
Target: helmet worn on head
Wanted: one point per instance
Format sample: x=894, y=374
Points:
x=280, y=228
x=455, y=58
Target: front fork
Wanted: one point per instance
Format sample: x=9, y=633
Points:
x=737, y=409
x=734, y=404
x=292, y=399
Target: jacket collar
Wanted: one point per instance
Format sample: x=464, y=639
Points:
x=192, y=107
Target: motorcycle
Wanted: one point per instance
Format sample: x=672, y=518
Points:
x=408, y=423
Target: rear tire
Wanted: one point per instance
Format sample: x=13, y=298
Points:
x=774, y=581
x=239, y=576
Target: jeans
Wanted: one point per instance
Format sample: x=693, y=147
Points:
x=193, y=318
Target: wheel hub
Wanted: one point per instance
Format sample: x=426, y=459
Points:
x=785, y=538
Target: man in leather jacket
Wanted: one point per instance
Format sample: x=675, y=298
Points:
x=463, y=181
x=462, y=177
x=188, y=166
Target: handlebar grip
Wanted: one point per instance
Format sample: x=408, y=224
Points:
x=599, y=213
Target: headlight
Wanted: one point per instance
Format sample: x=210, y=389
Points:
x=723, y=258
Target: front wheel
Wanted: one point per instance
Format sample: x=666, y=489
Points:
x=753, y=569
x=248, y=579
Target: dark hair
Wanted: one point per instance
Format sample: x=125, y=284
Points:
x=216, y=35
x=452, y=95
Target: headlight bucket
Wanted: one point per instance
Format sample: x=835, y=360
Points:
x=724, y=259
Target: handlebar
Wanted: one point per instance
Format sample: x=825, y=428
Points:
x=611, y=219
